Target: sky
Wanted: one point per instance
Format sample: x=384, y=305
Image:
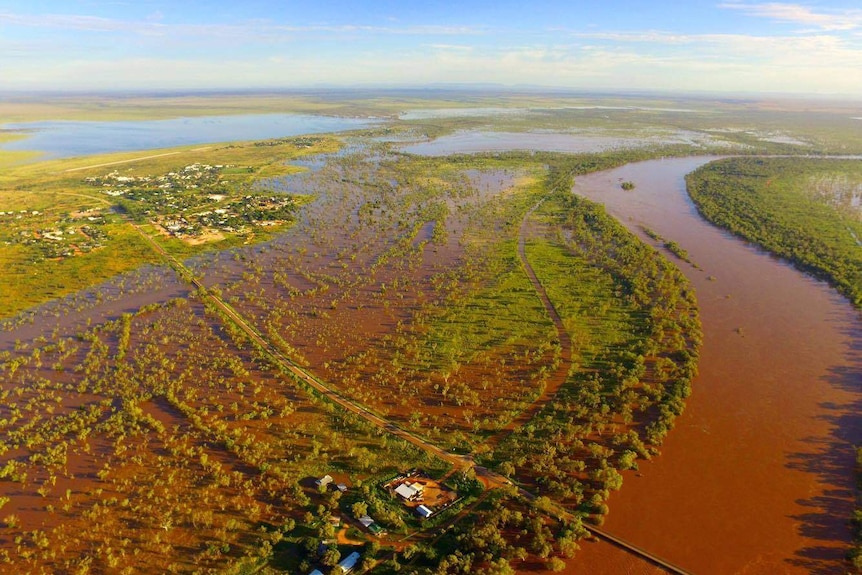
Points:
x=810, y=48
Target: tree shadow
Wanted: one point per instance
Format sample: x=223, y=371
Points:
x=832, y=460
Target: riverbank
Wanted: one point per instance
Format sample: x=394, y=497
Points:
x=757, y=477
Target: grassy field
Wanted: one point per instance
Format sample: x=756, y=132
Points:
x=155, y=107
x=805, y=210
x=10, y=158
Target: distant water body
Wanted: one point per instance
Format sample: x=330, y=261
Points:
x=64, y=139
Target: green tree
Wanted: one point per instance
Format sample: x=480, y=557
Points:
x=506, y=468
x=331, y=557
x=359, y=509
x=372, y=548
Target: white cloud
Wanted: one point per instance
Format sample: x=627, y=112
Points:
x=602, y=67
x=645, y=36
x=826, y=61
x=456, y=47
x=156, y=26
x=825, y=49
x=67, y=22
x=799, y=14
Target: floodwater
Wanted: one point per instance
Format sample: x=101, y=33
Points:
x=758, y=475
x=478, y=112
x=435, y=113
x=63, y=139
x=470, y=142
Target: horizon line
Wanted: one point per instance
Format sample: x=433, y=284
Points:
x=505, y=89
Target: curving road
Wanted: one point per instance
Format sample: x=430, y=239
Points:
x=558, y=378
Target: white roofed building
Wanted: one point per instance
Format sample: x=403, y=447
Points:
x=406, y=492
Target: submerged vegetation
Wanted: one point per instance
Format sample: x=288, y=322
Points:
x=158, y=432
x=470, y=300
x=806, y=210
x=402, y=286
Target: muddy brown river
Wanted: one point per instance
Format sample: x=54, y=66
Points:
x=757, y=476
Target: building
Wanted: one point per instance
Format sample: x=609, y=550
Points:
x=424, y=512
x=373, y=527
x=410, y=492
x=349, y=563
x=323, y=481
x=405, y=491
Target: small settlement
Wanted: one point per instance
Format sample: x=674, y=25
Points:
x=425, y=496
x=415, y=490
x=349, y=563
x=196, y=202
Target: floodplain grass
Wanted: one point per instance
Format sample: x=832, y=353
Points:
x=175, y=384
x=718, y=128
x=502, y=310
x=776, y=127
x=476, y=323
x=31, y=279
x=635, y=333
x=596, y=317
x=378, y=209
x=799, y=209
x=12, y=157
x=108, y=108
x=489, y=280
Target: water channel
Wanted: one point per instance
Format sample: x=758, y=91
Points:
x=757, y=476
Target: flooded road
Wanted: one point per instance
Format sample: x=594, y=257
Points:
x=757, y=476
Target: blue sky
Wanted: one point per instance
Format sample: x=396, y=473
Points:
x=723, y=46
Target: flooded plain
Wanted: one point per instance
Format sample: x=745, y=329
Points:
x=758, y=475
x=584, y=141
x=756, y=478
